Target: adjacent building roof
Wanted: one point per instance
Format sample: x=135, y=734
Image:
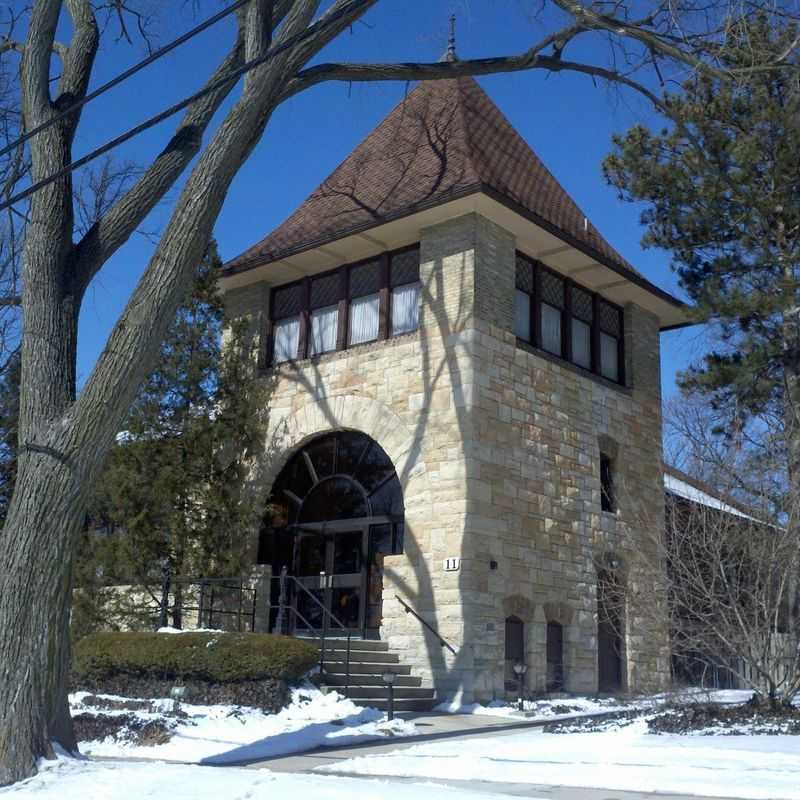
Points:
x=680, y=484
x=447, y=139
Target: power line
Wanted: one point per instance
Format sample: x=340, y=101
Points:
x=123, y=76
x=234, y=75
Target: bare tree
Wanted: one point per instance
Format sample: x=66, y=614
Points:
x=65, y=437
x=732, y=581
x=728, y=562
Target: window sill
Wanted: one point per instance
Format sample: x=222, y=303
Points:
x=333, y=355
x=522, y=344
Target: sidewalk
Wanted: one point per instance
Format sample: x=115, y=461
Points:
x=433, y=726
x=454, y=726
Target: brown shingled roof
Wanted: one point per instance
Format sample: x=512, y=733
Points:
x=447, y=139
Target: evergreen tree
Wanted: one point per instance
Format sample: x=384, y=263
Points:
x=175, y=487
x=721, y=187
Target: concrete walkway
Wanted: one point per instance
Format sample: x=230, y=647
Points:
x=452, y=726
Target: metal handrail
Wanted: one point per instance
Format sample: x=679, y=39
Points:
x=327, y=615
x=410, y=610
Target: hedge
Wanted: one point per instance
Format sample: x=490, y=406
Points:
x=206, y=656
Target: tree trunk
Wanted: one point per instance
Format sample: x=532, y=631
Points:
x=44, y=520
x=177, y=606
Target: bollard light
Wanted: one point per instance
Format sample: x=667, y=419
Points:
x=177, y=693
x=388, y=679
x=519, y=670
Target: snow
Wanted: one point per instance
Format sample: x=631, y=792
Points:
x=72, y=779
x=224, y=734
x=689, y=492
x=169, y=629
x=580, y=705
x=544, y=709
x=623, y=758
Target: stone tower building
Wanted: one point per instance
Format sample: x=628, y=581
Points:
x=465, y=408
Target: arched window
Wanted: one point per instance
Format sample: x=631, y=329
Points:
x=555, y=657
x=515, y=649
x=339, y=476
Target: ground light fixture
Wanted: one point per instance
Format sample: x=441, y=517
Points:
x=519, y=670
x=389, y=679
x=177, y=693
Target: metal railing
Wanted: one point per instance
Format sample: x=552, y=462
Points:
x=442, y=641
x=228, y=603
x=290, y=589
x=216, y=592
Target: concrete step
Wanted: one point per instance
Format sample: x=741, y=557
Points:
x=412, y=704
x=335, y=680
x=380, y=693
x=368, y=645
x=367, y=656
x=365, y=667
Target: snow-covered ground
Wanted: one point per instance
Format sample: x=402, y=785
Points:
x=558, y=707
x=223, y=734
x=623, y=758
x=71, y=779
x=537, y=708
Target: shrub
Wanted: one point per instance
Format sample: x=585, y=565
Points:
x=204, y=656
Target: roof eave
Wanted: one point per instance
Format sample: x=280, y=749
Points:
x=680, y=308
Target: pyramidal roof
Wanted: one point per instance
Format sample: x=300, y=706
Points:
x=445, y=140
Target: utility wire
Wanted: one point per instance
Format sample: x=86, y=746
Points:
x=123, y=76
x=234, y=75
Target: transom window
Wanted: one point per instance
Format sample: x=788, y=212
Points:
x=339, y=476
x=354, y=304
x=562, y=318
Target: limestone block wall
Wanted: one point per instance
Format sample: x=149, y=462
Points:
x=410, y=394
x=534, y=532
x=497, y=451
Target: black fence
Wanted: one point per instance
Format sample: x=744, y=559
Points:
x=228, y=604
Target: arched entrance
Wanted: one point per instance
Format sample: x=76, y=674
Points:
x=335, y=511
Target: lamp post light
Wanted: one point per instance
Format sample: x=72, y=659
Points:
x=388, y=679
x=519, y=670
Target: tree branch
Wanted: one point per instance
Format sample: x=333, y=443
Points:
x=35, y=68
x=454, y=69
x=11, y=44
x=79, y=57
x=115, y=227
x=135, y=339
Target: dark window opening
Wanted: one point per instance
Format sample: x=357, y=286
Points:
x=610, y=616
x=514, y=650
x=555, y=657
x=556, y=315
x=607, y=499
x=354, y=304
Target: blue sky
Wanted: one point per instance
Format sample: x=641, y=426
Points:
x=565, y=118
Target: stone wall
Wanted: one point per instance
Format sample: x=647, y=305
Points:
x=497, y=449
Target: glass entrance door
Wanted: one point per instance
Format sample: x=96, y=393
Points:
x=347, y=579
x=331, y=567
x=309, y=568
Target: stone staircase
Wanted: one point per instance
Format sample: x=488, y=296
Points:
x=368, y=661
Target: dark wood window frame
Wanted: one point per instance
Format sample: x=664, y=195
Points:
x=535, y=339
x=385, y=284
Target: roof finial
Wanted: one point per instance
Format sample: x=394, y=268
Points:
x=451, y=42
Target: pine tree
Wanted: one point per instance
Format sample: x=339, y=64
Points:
x=721, y=187
x=175, y=487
